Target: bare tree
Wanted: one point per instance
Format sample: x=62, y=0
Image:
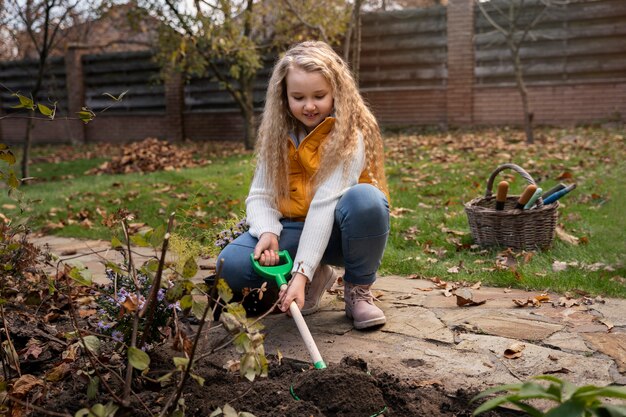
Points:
x=515, y=24
x=352, y=53
x=42, y=23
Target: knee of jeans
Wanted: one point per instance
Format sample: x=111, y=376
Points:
x=365, y=201
x=235, y=271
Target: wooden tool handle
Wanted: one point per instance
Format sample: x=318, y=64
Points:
x=305, y=333
x=503, y=189
x=316, y=357
x=533, y=199
x=526, y=195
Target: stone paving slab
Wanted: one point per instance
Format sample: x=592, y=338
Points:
x=94, y=254
x=428, y=338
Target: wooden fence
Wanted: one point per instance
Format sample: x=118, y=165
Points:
x=441, y=65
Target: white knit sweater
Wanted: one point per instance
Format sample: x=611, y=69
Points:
x=263, y=216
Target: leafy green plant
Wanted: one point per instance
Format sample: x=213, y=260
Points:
x=572, y=401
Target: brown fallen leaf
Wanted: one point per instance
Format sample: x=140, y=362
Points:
x=528, y=302
x=25, y=384
x=233, y=365
x=607, y=323
x=58, y=372
x=514, y=351
x=566, y=237
x=464, y=297
x=567, y=302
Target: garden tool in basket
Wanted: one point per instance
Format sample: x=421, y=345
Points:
x=278, y=273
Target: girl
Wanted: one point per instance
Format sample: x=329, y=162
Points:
x=319, y=190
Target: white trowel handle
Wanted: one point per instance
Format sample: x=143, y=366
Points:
x=318, y=362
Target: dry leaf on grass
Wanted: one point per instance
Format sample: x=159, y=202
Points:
x=566, y=237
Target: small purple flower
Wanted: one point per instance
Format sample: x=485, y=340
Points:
x=176, y=306
x=102, y=325
x=121, y=295
x=160, y=294
x=117, y=336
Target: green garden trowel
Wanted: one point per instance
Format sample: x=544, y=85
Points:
x=279, y=273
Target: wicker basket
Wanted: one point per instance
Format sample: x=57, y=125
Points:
x=514, y=228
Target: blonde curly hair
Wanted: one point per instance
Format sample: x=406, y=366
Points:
x=351, y=113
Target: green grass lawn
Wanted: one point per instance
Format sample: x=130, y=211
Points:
x=431, y=176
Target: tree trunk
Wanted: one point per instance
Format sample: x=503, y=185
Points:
x=28, y=139
x=247, y=109
x=250, y=130
x=521, y=86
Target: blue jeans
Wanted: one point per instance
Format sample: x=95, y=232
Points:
x=357, y=242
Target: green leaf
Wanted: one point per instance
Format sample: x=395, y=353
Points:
x=528, y=409
x=86, y=115
x=532, y=390
x=180, y=362
x=186, y=302
x=198, y=307
x=229, y=321
x=157, y=236
x=190, y=269
x=8, y=157
x=139, y=240
x=25, y=102
x=499, y=388
x=614, y=410
x=249, y=368
x=81, y=276
x=138, y=358
x=46, y=111
x=165, y=378
x=92, y=387
x=116, y=243
x=92, y=343
x=224, y=291
x=13, y=182
x=568, y=408
x=198, y=379
x=490, y=405
x=609, y=391
x=229, y=411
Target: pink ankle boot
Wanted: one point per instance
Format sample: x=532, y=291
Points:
x=360, y=306
x=324, y=278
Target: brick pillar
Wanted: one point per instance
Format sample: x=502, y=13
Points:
x=460, y=87
x=75, y=85
x=174, y=106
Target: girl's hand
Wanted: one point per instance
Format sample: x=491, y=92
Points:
x=294, y=292
x=266, y=250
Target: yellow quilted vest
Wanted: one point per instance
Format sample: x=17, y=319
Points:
x=304, y=161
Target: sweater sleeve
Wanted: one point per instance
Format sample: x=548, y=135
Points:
x=320, y=219
x=261, y=212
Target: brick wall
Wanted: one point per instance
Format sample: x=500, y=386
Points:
x=123, y=128
x=460, y=62
x=552, y=105
x=213, y=126
x=408, y=107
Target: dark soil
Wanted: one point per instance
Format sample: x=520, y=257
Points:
x=291, y=389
